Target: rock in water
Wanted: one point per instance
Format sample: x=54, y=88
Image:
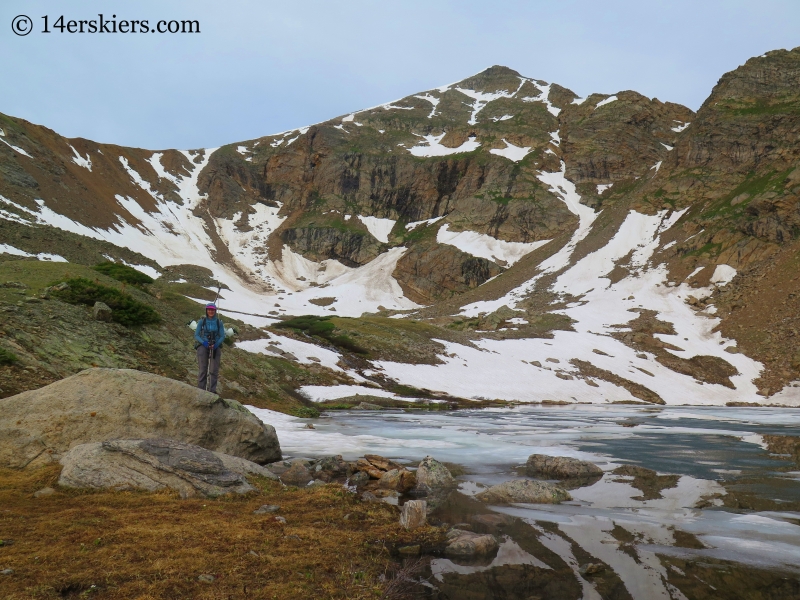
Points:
x=560, y=467
x=525, y=491
x=154, y=464
x=101, y=312
x=466, y=544
x=95, y=405
x=433, y=476
x=413, y=514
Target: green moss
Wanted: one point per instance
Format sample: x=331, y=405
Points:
x=125, y=310
x=6, y=357
x=123, y=273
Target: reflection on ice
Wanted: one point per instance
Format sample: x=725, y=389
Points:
x=631, y=523
x=509, y=553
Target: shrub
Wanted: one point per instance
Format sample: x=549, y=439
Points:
x=123, y=273
x=6, y=357
x=306, y=412
x=125, y=309
x=322, y=327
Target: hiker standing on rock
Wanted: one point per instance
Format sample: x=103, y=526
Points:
x=209, y=335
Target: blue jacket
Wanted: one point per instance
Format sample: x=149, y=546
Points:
x=213, y=327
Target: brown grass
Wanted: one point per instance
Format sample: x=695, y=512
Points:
x=137, y=545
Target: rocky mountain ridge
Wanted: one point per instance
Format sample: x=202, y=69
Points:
x=497, y=192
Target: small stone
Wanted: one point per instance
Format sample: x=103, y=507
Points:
x=293, y=537
x=48, y=491
x=592, y=569
x=369, y=497
x=297, y=474
x=254, y=553
x=367, y=406
x=206, y=578
x=281, y=520
x=413, y=514
x=7, y=572
x=359, y=479
x=101, y=312
x=266, y=508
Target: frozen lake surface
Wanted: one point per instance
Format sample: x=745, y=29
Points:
x=727, y=518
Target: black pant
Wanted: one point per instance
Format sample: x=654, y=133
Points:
x=206, y=371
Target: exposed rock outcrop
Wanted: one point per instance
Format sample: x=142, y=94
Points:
x=97, y=405
x=154, y=464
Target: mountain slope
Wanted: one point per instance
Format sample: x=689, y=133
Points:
x=590, y=245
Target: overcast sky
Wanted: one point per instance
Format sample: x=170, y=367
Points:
x=260, y=67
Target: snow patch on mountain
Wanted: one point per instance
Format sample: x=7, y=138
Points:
x=15, y=148
x=608, y=100
x=248, y=245
x=511, y=152
x=544, y=97
x=486, y=246
x=435, y=148
x=599, y=310
x=86, y=163
x=294, y=272
x=344, y=290
x=481, y=99
x=432, y=99
x=723, y=274
x=305, y=353
x=426, y=222
x=7, y=249
x=378, y=228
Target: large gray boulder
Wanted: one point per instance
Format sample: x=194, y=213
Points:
x=524, y=491
x=155, y=464
x=433, y=476
x=560, y=467
x=96, y=405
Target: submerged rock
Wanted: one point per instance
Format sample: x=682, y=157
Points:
x=466, y=544
x=96, y=405
x=156, y=464
x=524, y=491
x=560, y=467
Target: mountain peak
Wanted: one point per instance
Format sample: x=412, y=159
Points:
x=494, y=79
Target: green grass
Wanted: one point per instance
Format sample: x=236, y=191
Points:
x=760, y=108
x=125, y=310
x=123, y=273
x=323, y=328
